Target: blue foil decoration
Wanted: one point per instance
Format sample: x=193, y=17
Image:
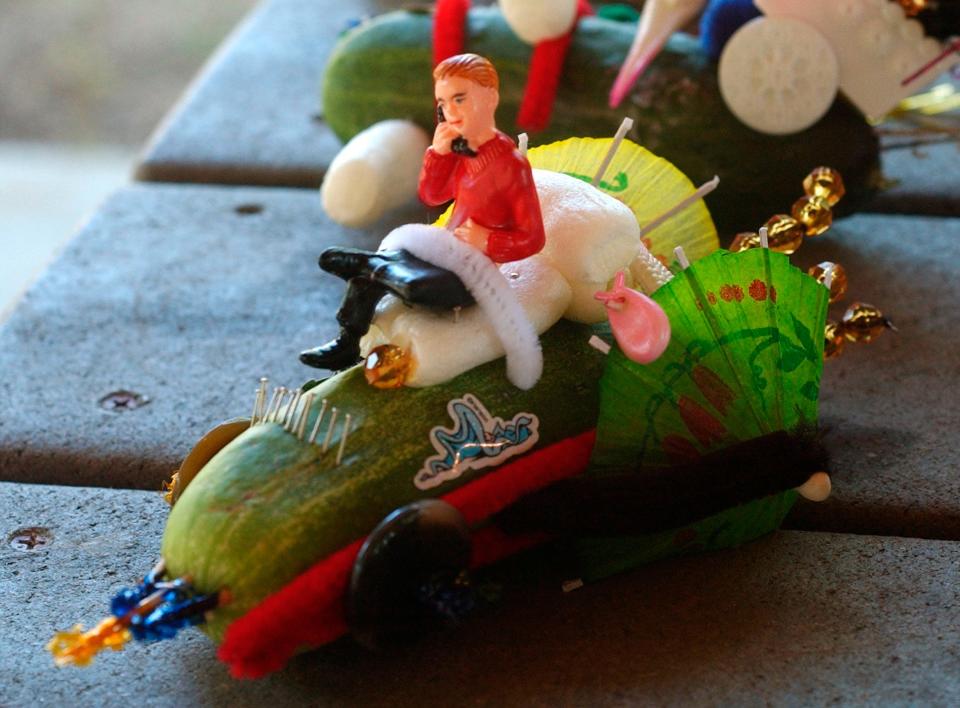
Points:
x=180, y=606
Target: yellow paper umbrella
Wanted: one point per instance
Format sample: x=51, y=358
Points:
x=648, y=184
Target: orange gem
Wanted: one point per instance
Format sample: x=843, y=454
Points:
x=784, y=233
x=864, y=323
x=833, y=340
x=838, y=279
x=745, y=241
x=913, y=7
x=814, y=213
x=826, y=183
x=387, y=366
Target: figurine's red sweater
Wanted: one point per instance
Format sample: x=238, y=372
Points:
x=495, y=189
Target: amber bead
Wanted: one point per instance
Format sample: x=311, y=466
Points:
x=387, y=366
x=838, y=282
x=833, y=340
x=745, y=241
x=863, y=322
x=913, y=7
x=784, y=233
x=814, y=213
x=826, y=183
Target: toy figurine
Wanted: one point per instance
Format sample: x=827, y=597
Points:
x=496, y=212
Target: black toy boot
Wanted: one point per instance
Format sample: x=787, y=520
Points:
x=348, y=263
x=355, y=315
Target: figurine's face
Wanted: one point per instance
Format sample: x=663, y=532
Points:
x=468, y=106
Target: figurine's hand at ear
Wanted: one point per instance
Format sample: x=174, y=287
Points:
x=443, y=137
x=474, y=234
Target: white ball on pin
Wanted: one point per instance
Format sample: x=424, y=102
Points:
x=817, y=488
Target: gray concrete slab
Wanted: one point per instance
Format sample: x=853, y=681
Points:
x=171, y=293
x=890, y=407
x=794, y=619
x=254, y=115
x=174, y=293
x=921, y=179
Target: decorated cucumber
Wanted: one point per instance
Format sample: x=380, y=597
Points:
x=339, y=506
x=381, y=70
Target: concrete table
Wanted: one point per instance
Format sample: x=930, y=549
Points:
x=187, y=295
x=794, y=619
x=253, y=115
x=183, y=295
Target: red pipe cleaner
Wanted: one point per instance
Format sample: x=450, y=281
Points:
x=309, y=610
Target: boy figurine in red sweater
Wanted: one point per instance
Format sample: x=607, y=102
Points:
x=496, y=211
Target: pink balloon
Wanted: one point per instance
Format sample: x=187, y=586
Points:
x=640, y=325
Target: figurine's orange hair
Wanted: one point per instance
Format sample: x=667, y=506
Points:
x=470, y=66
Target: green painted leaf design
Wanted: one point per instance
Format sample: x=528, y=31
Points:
x=619, y=184
x=806, y=339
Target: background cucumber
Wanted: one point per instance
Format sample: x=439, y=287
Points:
x=382, y=70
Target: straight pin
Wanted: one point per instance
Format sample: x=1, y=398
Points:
x=681, y=257
x=291, y=411
x=304, y=415
x=599, y=344
x=256, y=408
x=274, y=403
x=333, y=421
x=283, y=407
x=702, y=191
x=343, y=439
x=625, y=126
x=316, y=426
x=522, y=141
x=259, y=402
x=764, y=237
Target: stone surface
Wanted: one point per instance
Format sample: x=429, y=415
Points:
x=175, y=293
x=794, y=619
x=890, y=407
x=253, y=115
x=922, y=180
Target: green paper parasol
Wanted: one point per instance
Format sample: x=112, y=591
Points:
x=745, y=359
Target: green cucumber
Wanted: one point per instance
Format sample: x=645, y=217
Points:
x=268, y=506
x=382, y=70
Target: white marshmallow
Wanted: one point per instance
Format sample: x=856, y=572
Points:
x=376, y=171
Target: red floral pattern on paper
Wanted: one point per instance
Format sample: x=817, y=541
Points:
x=711, y=298
x=679, y=449
x=701, y=424
x=758, y=290
x=713, y=388
x=773, y=293
x=729, y=293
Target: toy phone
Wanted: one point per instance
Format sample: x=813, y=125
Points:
x=459, y=145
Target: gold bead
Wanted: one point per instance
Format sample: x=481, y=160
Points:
x=784, y=233
x=387, y=366
x=814, y=213
x=826, y=183
x=913, y=7
x=864, y=323
x=833, y=340
x=744, y=241
x=838, y=282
